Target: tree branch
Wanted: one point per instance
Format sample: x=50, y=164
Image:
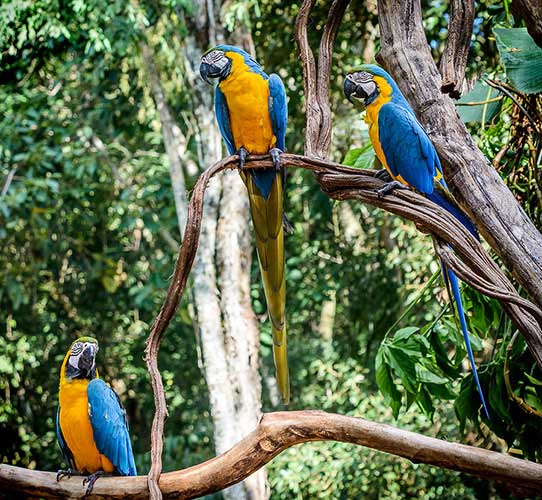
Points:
x=275, y=433
x=456, y=50
x=475, y=267
x=316, y=77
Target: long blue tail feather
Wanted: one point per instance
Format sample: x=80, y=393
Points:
x=454, y=285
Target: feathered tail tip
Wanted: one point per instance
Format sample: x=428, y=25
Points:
x=444, y=199
x=280, y=356
x=454, y=285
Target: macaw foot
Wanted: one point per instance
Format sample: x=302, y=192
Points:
x=389, y=187
x=243, y=153
x=383, y=175
x=91, y=480
x=275, y=157
x=286, y=225
x=61, y=474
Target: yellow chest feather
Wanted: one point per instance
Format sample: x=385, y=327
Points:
x=371, y=118
x=247, y=95
x=77, y=429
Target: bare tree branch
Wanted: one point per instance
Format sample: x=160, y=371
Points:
x=472, y=178
x=456, y=50
x=312, y=109
x=316, y=77
x=475, y=267
x=275, y=433
x=7, y=182
x=325, y=55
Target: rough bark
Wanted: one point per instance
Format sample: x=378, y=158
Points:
x=531, y=12
x=475, y=183
x=275, y=433
x=228, y=331
x=456, y=50
x=316, y=76
x=241, y=334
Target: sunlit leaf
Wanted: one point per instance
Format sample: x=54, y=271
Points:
x=521, y=57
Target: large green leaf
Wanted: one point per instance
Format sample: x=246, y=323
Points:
x=521, y=57
x=481, y=93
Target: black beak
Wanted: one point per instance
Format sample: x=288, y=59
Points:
x=205, y=70
x=86, y=360
x=352, y=89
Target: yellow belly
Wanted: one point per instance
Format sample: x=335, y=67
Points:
x=247, y=96
x=77, y=429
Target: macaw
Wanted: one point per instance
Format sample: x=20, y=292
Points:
x=91, y=423
x=409, y=157
x=251, y=111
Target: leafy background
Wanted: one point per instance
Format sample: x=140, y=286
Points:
x=86, y=219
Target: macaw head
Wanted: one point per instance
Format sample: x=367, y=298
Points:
x=80, y=360
x=220, y=61
x=368, y=83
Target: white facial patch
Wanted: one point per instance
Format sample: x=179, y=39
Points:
x=215, y=58
x=369, y=87
x=77, y=350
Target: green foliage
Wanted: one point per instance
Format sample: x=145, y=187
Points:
x=521, y=57
x=86, y=224
x=470, y=111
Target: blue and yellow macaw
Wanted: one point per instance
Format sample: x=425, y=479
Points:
x=408, y=155
x=90, y=423
x=252, y=112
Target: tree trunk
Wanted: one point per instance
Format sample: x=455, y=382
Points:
x=175, y=142
x=228, y=329
x=531, y=12
x=471, y=177
x=225, y=322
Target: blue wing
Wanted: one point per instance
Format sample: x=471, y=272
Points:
x=108, y=420
x=223, y=118
x=66, y=452
x=278, y=109
x=408, y=150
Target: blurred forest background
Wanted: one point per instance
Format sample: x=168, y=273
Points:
x=104, y=127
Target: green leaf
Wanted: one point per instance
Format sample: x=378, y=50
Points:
x=404, y=333
x=464, y=403
x=425, y=402
x=404, y=366
x=481, y=93
x=533, y=380
x=385, y=381
x=360, y=157
x=521, y=57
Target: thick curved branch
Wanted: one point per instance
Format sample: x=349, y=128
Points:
x=275, y=433
x=341, y=182
x=316, y=75
x=325, y=55
x=456, y=50
x=185, y=259
x=472, y=178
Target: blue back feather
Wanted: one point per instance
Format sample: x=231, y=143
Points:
x=410, y=153
x=223, y=118
x=108, y=420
